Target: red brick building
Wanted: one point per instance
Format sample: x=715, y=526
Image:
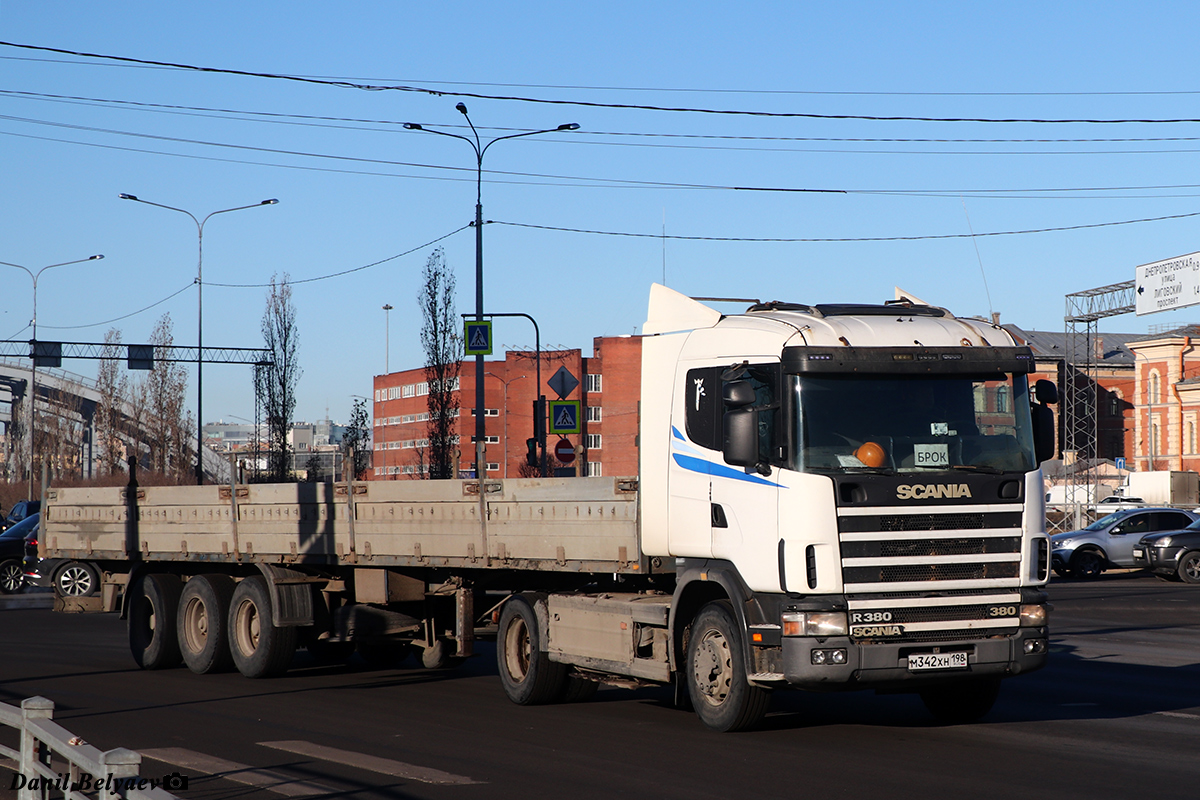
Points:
x=609, y=389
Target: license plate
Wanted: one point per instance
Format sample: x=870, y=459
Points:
x=1139, y=552
x=919, y=662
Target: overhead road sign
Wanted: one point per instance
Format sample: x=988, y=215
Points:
x=562, y=382
x=1169, y=284
x=477, y=337
x=564, y=416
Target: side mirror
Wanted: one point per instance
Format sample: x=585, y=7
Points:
x=740, y=446
x=1043, y=419
x=738, y=394
x=1045, y=391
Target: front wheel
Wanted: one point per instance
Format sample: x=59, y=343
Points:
x=1087, y=564
x=961, y=701
x=12, y=577
x=716, y=673
x=1189, y=567
x=260, y=649
x=529, y=677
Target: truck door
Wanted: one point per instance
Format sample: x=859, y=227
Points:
x=745, y=501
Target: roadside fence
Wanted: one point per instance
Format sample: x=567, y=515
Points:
x=84, y=772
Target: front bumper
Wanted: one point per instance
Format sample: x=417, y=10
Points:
x=1161, y=560
x=886, y=665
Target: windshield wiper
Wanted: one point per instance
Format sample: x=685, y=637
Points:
x=965, y=468
x=870, y=470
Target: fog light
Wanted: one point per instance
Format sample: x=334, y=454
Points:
x=838, y=656
x=1034, y=646
x=818, y=657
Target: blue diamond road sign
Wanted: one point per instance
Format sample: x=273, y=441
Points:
x=477, y=338
x=564, y=416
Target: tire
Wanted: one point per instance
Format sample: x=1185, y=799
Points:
x=716, y=673
x=1189, y=567
x=259, y=648
x=76, y=579
x=202, y=623
x=528, y=675
x=153, y=606
x=1172, y=577
x=12, y=577
x=579, y=689
x=1087, y=564
x=962, y=701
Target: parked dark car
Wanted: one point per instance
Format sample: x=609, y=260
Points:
x=22, y=509
x=1173, y=555
x=12, y=550
x=68, y=578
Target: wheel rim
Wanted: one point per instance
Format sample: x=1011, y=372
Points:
x=517, y=650
x=1191, y=568
x=74, y=581
x=195, y=625
x=1089, y=565
x=712, y=667
x=247, y=627
x=11, y=578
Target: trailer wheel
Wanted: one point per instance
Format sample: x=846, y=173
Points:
x=259, y=648
x=76, y=579
x=153, y=606
x=203, y=617
x=962, y=701
x=722, y=697
x=529, y=677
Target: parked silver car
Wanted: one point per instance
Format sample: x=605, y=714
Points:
x=1109, y=541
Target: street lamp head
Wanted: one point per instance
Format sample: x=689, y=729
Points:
x=569, y=126
x=124, y=196
x=273, y=201
x=387, y=307
x=462, y=108
x=412, y=126
x=96, y=257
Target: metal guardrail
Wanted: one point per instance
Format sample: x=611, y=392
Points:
x=89, y=774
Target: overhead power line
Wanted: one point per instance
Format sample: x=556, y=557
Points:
x=698, y=90
x=841, y=239
x=346, y=84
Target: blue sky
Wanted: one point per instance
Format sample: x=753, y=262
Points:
x=355, y=188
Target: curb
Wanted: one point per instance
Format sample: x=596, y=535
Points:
x=33, y=600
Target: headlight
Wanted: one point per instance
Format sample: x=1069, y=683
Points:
x=1059, y=544
x=814, y=623
x=1034, y=616
x=1162, y=541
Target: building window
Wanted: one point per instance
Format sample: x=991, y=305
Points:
x=593, y=383
x=593, y=413
x=1155, y=387
x=593, y=469
x=593, y=441
x=1189, y=434
x=493, y=466
x=488, y=412
x=1002, y=400
x=487, y=439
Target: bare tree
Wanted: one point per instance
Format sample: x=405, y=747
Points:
x=163, y=390
x=442, y=342
x=276, y=384
x=113, y=387
x=358, y=437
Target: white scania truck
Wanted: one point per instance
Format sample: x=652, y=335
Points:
x=830, y=497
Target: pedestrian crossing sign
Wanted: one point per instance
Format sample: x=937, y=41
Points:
x=477, y=337
x=564, y=416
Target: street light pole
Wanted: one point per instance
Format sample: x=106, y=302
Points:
x=33, y=353
x=387, y=339
x=506, y=383
x=480, y=149
x=199, y=313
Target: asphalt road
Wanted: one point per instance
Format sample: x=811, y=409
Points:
x=1115, y=715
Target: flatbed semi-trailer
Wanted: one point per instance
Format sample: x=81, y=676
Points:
x=828, y=497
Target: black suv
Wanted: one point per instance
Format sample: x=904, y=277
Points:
x=19, y=511
x=1172, y=555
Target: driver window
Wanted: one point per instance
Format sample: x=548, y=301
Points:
x=1138, y=524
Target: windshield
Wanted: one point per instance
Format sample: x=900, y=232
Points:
x=1105, y=522
x=902, y=423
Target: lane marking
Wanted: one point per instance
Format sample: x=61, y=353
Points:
x=384, y=766
x=244, y=774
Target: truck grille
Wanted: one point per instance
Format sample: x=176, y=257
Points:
x=935, y=617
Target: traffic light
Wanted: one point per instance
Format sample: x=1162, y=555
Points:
x=531, y=457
